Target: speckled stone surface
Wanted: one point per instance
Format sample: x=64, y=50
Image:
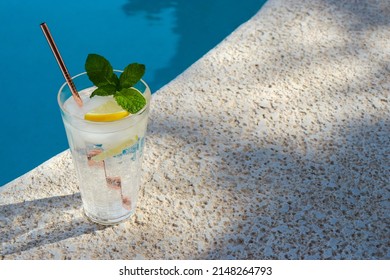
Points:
x=274, y=145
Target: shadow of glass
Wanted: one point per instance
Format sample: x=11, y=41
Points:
x=42, y=221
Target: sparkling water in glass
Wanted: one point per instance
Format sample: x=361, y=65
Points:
x=107, y=155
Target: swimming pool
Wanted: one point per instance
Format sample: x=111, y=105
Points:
x=166, y=35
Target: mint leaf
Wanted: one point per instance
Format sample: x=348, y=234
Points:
x=131, y=75
x=130, y=99
x=104, y=90
x=99, y=71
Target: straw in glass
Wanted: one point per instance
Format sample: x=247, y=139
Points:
x=113, y=182
x=61, y=63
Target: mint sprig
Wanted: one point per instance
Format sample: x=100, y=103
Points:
x=101, y=74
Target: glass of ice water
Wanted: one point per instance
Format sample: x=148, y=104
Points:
x=107, y=155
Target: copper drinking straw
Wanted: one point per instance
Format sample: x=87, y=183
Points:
x=61, y=63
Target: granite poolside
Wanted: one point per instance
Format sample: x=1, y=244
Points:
x=274, y=145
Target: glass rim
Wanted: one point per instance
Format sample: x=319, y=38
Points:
x=64, y=111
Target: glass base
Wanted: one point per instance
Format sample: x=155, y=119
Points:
x=105, y=221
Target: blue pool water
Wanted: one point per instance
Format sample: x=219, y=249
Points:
x=166, y=35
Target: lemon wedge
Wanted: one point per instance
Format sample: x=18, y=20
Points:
x=116, y=150
x=107, y=112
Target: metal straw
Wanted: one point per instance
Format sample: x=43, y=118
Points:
x=61, y=63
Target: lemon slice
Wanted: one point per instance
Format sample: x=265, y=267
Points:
x=116, y=150
x=107, y=112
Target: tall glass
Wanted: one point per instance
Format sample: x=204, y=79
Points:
x=107, y=156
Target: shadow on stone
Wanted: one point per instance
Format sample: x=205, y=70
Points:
x=42, y=221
